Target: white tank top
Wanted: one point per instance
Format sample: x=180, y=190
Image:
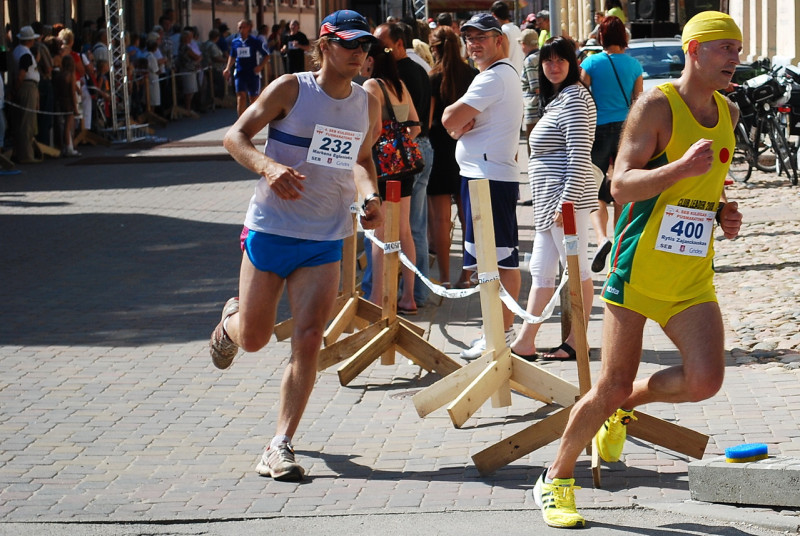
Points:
x=325, y=129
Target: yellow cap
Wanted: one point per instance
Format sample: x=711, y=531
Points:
x=710, y=26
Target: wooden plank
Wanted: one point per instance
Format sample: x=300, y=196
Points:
x=370, y=313
x=341, y=321
x=522, y=443
x=345, y=348
x=349, y=247
x=448, y=388
x=540, y=384
x=423, y=354
x=391, y=261
x=579, y=324
x=381, y=343
x=486, y=255
x=669, y=435
x=48, y=150
x=490, y=379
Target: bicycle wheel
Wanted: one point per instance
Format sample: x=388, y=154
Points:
x=743, y=158
x=782, y=152
x=765, y=159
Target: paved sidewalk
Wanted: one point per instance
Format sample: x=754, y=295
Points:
x=114, y=268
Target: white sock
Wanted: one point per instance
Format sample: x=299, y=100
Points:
x=547, y=479
x=278, y=439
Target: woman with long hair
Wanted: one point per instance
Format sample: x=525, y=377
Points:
x=615, y=80
x=559, y=170
x=385, y=77
x=450, y=78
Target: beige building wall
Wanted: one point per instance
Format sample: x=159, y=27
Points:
x=769, y=27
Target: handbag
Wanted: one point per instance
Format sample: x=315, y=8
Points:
x=395, y=154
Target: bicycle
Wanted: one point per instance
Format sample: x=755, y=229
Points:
x=760, y=130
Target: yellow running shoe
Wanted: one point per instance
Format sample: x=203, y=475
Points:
x=557, y=501
x=611, y=436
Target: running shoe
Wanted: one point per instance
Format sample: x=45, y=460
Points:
x=557, y=501
x=478, y=346
x=611, y=436
x=222, y=348
x=279, y=463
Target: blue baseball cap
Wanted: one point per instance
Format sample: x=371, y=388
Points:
x=345, y=24
x=484, y=22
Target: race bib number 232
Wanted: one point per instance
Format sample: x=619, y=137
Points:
x=334, y=147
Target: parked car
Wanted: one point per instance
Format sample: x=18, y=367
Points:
x=662, y=59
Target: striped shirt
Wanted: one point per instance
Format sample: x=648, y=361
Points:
x=560, y=165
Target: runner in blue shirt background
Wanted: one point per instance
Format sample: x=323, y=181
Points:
x=250, y=56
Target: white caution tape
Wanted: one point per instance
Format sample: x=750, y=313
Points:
x=483, y=277
x=391, y=247
x=487, y=277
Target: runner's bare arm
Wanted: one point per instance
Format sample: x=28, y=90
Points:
x=273, y=103
x=364, y=172
x=647, y=131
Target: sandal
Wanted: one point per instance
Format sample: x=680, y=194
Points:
x=564, y=347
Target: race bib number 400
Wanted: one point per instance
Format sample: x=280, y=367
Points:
x=685, y=231
x=334, y=147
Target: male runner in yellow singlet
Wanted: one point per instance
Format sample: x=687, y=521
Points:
x=673, y=158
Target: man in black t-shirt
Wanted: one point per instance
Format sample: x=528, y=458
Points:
x=294, y=48
x=393, y=36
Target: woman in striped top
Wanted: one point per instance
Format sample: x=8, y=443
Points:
x=559, y=170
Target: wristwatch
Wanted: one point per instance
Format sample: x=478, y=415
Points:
x=369, y=198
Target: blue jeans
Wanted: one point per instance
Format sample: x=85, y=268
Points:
x=419, y=218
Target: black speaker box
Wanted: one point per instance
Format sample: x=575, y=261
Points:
x=649, y=10
x=643, y=29
x=693, y=7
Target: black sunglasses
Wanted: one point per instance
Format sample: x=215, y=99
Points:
x=352, y=44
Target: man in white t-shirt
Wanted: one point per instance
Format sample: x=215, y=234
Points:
x=486, y=122
x=512, y=32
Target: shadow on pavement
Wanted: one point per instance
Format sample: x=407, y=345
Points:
x=113, y=280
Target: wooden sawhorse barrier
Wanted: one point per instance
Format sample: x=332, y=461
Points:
x=493, y=373
x=382, y=333
x=497, y=371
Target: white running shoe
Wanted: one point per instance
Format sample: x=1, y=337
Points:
x=478, y=346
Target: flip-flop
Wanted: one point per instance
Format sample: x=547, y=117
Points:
x=530, y=358
x=570, y=351
x=406, y=312
x=599, y=261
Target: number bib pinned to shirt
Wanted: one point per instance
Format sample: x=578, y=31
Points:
x=243, y=52
x=334, y=147
x=685, y=231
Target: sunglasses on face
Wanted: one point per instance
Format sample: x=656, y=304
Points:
x=354, y=44
x=479, y=39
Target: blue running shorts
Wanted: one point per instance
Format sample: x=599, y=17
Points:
x=283, y=255
x=250, y=84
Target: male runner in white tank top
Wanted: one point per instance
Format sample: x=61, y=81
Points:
x=310, y=170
